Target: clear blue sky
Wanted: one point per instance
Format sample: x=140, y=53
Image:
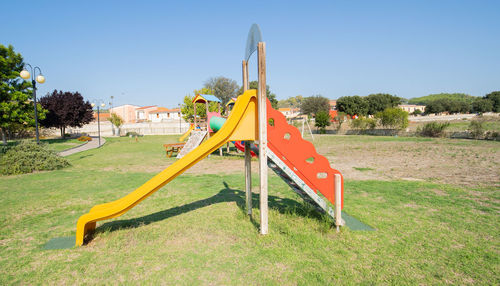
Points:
x=155, y=52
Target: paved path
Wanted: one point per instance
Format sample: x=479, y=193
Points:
x=90, y=145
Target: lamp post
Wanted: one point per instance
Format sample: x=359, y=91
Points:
x=25, y=74
x=180, y=119
x=93, y=104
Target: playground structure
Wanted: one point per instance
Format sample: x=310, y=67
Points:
x=280, y=146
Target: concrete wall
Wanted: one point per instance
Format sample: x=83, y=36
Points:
x=143, y=128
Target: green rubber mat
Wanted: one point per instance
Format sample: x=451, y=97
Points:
x=354, y=224
x=65, y=242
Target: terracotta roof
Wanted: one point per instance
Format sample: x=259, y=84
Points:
x=146, y=107
x=284, y=109
x=163, y=109
x=102, y=116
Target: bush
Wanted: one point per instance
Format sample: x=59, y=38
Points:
x=477, y=128
x=433, y=129
x=363, y=123
x=132, y=134
x=322, y=120
x=416, y=112
x=27, y=157
x=84, y=138
x=393, y=117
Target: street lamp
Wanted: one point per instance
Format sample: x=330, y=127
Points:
x=25, y=74
x=180, y=119
x=93, y=104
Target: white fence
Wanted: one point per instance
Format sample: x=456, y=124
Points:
x=143, y=128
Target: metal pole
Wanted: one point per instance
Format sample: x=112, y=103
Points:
x=98, y=126
x=36, y=112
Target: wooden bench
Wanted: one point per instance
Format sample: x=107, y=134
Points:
x=171, y=148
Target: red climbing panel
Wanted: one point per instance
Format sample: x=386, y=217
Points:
x=300, y=155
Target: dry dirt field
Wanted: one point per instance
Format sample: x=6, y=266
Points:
x=454, y=161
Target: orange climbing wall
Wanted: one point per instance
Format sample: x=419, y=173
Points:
x=300, y=155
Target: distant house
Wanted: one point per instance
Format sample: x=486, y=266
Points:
x=410, y=108
x=164, y=114
x=142, y=113
x=103, y=116
x=126, y=112
x=289, y=112
x=333, y=104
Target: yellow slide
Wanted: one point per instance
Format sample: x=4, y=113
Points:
x=183, y=137
x=241, y=125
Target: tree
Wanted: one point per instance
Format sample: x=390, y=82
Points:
x=380, y=101
x=187, y=108
x=424, y=100
x=495, y=99
x=66, y=109
x=223, y=88
x=313, y=104
x=322, y=120
x=393, y=117
x=482, y=105
x=435, y=106
x=16, y=109
x=117, y=121
x=293, y=102
x=271, y=96
x=353, y=105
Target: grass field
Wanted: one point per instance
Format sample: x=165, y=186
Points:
x=195, y=230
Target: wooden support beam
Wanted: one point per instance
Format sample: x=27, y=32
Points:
x=262, y=101
x=194, y=106
x=248, y=156
x=338, y=200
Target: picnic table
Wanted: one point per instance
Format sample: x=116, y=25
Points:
x=171, y=148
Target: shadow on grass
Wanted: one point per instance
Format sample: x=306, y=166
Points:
x=282, y=205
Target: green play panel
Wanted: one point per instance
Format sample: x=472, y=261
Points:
x=65, y=242
x=354, y=224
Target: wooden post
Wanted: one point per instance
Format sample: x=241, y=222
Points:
x=194, y=115
x=262, y=101
x=338, y=200
x=248, y=156
x=206, y=116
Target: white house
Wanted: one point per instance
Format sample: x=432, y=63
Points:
x=164, y=114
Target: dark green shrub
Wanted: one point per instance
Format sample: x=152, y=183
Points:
x=395, y=118
x=477, y=128
x=28, y=157
x=363, y=123
x=433, y=129
x=132, y=133
x=322, y=120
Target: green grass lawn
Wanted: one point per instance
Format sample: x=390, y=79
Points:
x=59, y=145
x=195, y=230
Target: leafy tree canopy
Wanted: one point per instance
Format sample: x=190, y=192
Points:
x=495, y=99
x=393, y=117
x=353, y=105
x=66, y=109
x=293, y=102
x=322, y=120
x=16, y=107
x=424, y=100
x=380, y=101
x=482, y=105
x=448, y=105
x=223, y=88
x=313, y=104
